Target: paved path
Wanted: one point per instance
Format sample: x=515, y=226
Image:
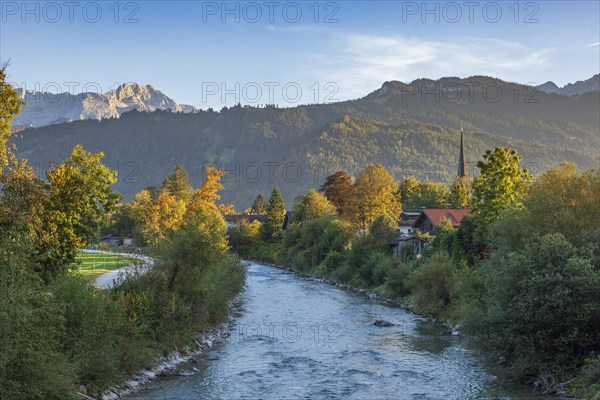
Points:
x=114, y=277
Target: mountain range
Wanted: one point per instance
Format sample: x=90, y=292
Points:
x=573, y=89
x=410, y=128
x=43, y=108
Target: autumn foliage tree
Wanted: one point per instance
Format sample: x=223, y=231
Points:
x=375, y=193
x=313, y=205
x=10, y=106
x=337, y=188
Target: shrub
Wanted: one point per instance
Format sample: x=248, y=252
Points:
x=541, y=304
x=333, y=261
x=396, y=284
x=373, y=269
x=432, y=284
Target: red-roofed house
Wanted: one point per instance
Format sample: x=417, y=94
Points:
x=430, y=218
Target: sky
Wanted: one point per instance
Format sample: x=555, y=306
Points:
x=215, y=54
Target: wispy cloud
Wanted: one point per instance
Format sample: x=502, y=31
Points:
x=364, y=61
x=593, y=44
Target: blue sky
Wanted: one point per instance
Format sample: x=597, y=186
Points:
x=211, y=54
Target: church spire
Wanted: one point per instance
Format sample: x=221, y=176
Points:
x=462, y=160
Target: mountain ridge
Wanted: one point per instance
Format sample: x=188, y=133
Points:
x=412, y=133
x=573, y=89
x=43, y=108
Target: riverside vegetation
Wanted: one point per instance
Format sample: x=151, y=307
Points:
x=57, y=331
x=521, y=274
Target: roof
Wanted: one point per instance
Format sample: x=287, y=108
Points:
x=409, y=216
x=436, y=215
x=406, y=239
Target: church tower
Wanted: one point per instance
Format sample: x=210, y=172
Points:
x=463, y=172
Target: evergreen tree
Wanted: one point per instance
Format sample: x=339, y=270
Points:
x=259, y=205
x=272, y=228
x=178, y=184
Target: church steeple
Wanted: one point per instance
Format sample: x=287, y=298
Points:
x=462, y=160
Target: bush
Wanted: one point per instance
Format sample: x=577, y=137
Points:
x=333, y=261
x=396, y=284
x=91, y=331
x=374, y=267
x=542, y=306
x=432, y=284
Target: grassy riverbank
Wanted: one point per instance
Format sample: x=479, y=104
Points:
x=91, y=265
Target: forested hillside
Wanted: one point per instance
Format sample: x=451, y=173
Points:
x=412, y=129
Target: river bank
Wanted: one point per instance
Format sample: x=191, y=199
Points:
x=169, y=365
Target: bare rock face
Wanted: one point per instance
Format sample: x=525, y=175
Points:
x=43, y=108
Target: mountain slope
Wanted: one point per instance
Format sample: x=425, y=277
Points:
x=573, y=89
x=46, y=108
x=296, y=148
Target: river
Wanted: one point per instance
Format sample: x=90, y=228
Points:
x=296, y=338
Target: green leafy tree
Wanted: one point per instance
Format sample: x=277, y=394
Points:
x=79, y=195
x=313, y=205
x=541, y=304
x=10, y=105
x=259, y=205
x=337, y=188
x=501, y=185
x=460, y=193
x=415, y=194
x=178, y=184
x=272, y=228
x=375, y=193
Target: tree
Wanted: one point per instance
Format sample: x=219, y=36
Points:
x=375, y=193
x=541, y=304
x=313, y=205
x=460, y=193
x=415, y=194
x=259, y=205
x=336, y=188
x=205, y=198
x=501, y=185
x=10, y=105
x=157, y=218
x=560, y=200
x=178, y=184
x=79, y=195
x=272, y=228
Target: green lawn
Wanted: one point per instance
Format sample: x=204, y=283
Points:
x=94, y=264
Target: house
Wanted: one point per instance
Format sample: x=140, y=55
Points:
x=117, y=241
x=415, y=243
x=408, y=219
x=431, y=218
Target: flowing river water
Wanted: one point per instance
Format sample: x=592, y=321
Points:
x=297, y=338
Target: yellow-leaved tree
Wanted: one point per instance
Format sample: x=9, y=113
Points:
x=375, y=193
